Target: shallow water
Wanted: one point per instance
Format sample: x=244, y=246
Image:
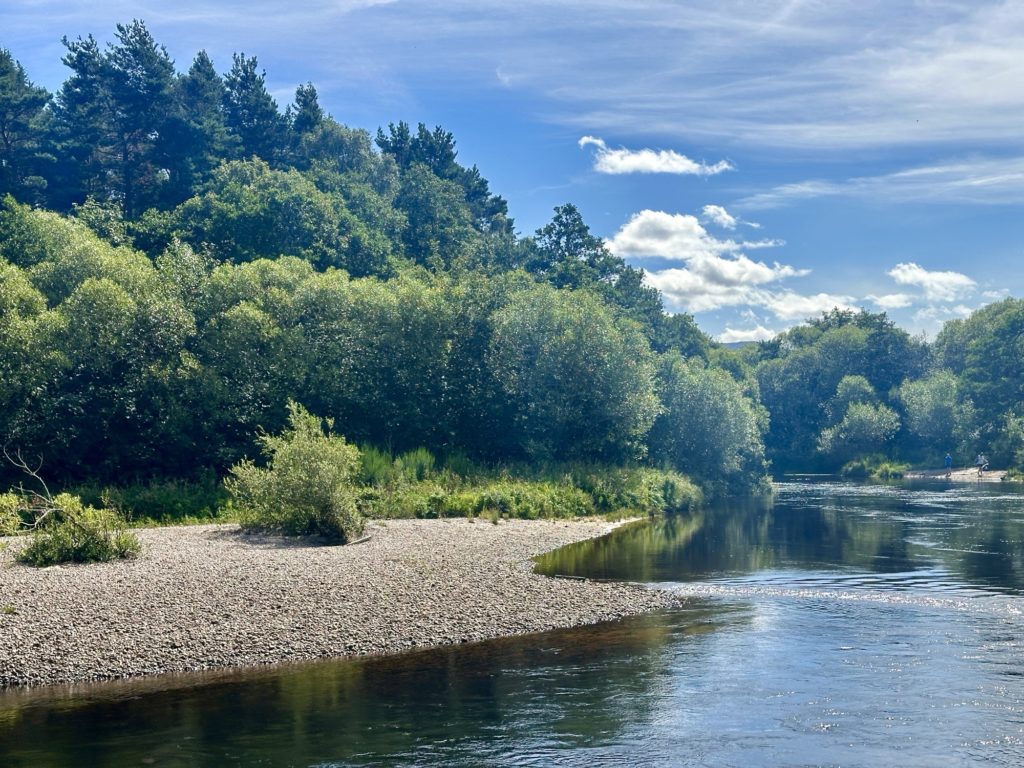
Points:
x=836, y=625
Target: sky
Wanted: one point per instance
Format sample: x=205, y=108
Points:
x=762, y=160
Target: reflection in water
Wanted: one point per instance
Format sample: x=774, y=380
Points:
x=544, y=694
x=973, y=536
x=832, y=625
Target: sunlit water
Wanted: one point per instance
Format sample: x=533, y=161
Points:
x=838, y=625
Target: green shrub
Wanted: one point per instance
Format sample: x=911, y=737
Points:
x=76, y=533
x=639, y=490
x=416, y=465
x=377, y=467
x=10, y=517
x=307, y=486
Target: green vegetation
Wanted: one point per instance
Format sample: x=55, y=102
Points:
x=874, y=467
x=849, y=387
x=62, y=529
x=307, y=486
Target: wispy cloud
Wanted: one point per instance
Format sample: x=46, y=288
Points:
x=622, y=160
x=973, y=180
x=804, y=75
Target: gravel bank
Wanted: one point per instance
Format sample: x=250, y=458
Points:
x=209, y=597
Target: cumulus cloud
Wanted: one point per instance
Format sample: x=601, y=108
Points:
x=891, y=300
x=716, y=214
x=720, y=217
x=738, y=335
x=937, y=286
x=622, y=160
x=714, y=273
x=790, y=305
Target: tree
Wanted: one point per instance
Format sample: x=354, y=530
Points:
x=986, y=352
x=251, y=112
x=393, y=389
x=440, y=229
x=579, y=381
x=800, y=371
x=21, y=114
x=197, y=136
x=250, y=211
x=708, y=428
x=80, y=131
x=566, y=254
x=937, y=415
x=140, y=77
x=864, y=428
x=307, y=114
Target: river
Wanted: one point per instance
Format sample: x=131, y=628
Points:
x=833, y=625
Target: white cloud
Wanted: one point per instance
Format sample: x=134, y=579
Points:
x=736, y=335
x=937, y=286
x=716, y=214
x=891, y=300
x=714, y=273
x=622, y=160
x=793, y=306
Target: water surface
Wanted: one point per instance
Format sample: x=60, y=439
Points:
x=835, y=625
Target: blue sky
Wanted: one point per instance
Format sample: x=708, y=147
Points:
x=763, y=161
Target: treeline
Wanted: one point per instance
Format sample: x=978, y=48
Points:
x=852, y=385
x=116, y=365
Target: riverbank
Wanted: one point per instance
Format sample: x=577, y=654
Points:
x=209, y=597
x=967, y=475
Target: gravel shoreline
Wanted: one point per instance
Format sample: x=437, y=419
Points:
x=210, y=597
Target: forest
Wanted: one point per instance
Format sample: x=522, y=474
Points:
x=182, y=262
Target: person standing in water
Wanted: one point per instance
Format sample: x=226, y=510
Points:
x=949, y=465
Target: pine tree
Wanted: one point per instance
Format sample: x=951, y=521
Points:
x=251, y=111
x=21, y=110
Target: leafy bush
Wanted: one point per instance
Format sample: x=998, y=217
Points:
x=10, y=517
x=307, y=486
x=75, y=533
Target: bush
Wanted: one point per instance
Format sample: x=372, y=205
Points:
x=10, y=517
x=76, y=533
x=307, y=486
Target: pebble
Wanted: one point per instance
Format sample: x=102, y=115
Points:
x=212, y=597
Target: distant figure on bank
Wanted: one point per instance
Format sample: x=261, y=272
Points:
x=982, y=462
x=949, y=465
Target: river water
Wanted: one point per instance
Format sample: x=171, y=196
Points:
x=833, y=625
